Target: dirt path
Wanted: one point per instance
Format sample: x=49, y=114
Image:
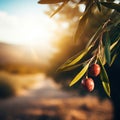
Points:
x=50, y=103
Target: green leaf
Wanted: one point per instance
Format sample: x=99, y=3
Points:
x=113, y=45
x=106, y=87
x=111, y=5
x=107, y=48
x=79, y=75
x=102, y=55
x=71, y=67
x=73, y=60
x=115, y=51
x=82, y=23
x=81, y=27
x=104, y=78
x=95, y=36
x=59, y=8
x=50, y=1
x=113, y=58
x=114, y=48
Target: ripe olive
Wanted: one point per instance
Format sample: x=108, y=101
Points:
x=88, y=83
x=94, y=70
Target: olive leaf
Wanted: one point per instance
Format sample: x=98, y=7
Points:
x=50, y=1
x=81, y=27
x=113, y=45
x=73, y=60
x=95, y=36
x=106, y=87
x=82, y=23
x=102, y=55
x=104, y=78
x=98, y=4
x=72, y=67
x=59, y=8
x=115, y=51
x=113, y=58
x=111, y=5
x=79, y=75
x=107, y=48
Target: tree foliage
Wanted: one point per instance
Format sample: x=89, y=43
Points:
x=104, y=45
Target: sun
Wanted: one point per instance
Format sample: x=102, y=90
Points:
x=38, y=36
x=32, y=31
x=27, y=25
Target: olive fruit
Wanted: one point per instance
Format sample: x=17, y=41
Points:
x=94, y=70
x=88, y=83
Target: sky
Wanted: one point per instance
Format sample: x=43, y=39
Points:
x=20, y=6
x=23, y=22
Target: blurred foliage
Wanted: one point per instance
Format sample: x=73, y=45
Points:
x=6, y=90
x=101, y=22
x=13, y=85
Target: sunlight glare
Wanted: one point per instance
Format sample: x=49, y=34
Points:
x=31, y=31
x=82, y=7
x=65, y=25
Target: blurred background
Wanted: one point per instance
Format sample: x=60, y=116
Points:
x=32, y=47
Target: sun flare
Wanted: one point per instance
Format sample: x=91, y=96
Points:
x=34, y=32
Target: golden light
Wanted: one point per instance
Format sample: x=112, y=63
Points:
x=35, y=32
x=82, y=7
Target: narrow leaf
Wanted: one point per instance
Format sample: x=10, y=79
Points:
x=59, y=8
x=71, y=67
x=73, y=60
x=113, y=58
x=82, y=54
x=98, y=4
x=102, y=55
x=115, y=52
x=95, y=36
x=111, y=5
x=113, y=45
x=104, y=78
x=82, y=23
x=81, y=27
x=79, y=75
x=106, y=87
x=114, y=48
x=50, y=1
x=107, y=48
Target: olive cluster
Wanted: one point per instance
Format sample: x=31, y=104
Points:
x=88, y=82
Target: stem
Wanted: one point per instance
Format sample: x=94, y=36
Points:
x=105, y=24
x=91, y=59
x=97, y=53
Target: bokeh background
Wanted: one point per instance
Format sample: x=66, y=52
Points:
x=32, y=47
